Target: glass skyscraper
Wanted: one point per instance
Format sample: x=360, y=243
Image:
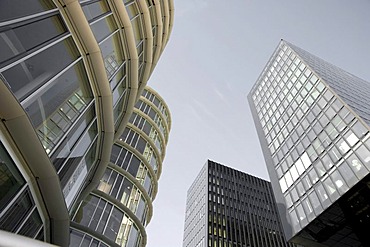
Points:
x=312, y=119
x=71, y=73
x=229, y=208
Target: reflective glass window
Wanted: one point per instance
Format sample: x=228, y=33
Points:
x=322, y=195
x=60, y=103
x=348, y=174
x=93, y=10
x=17, y=213
x=12, y=9
x=364, y=154
x=23, y=38
x=10, y=180
x=315, y=202
x=25, y=77
x=67, y=146
x=356, y=165
x=331, y=189
x=32, y=225
x=103, y=28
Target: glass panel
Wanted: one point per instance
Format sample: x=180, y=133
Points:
x=118, y=77
x=114, y=224
x=32, y=225
x=357, y=167
x=58, y=105
x=301, y=215
x=330, y=188
x=339, y=182
x=359, y=129
x=26, y=77
x=295, y=221
x=112, y=54
x=126, y=188
x=319, y=168
x=300, y=167
x=294, y=173
x=313, y=175
x=95, y=9
x=132, y=240
x=322, y=195
x=288, y=179
x=10, y=178
x=343, y=146
x=348, y=174
x=148, y=183
x=21, y=8
x=66, y=147
x=86, y=210
x=306, y=160
x=315, y=203
x=17, y=213
x=140, y=209
x=23, y=38
x=364, y=155
x=103, y=28
x=104, y=218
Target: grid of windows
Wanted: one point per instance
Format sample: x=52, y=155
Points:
x=78, y=238
x=155, y=115
x=227, y=208
x=120, y=187
x=317, y=144
x=195, y=230
x=134, y=139
x=133, y=161
x=147, y=127
x=128, y=161
x=320, y=147
x=158, y=102
x=18, y=212
x=241, y=210
x=107, y=219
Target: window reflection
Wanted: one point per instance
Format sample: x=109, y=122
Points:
x=20, y=8
x=27, y=76
x=11, y=179
x=23, y=38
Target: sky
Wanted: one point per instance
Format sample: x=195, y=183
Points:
x=215, y=54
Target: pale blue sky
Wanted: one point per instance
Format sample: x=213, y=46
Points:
x=215, y=54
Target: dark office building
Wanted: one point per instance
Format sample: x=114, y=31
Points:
x=229, y=208
x=312, y=119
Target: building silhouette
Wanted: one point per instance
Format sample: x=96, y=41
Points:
x=71, y=73
x=312, y=119
x=226, y=207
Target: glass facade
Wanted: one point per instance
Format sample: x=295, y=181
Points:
x=226, y=207
x=75, y=71
x=129, y=184
x=315, y=142
x=18, y=211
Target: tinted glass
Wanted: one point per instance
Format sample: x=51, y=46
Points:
x=10, y=178
x=26, y=77
x=18, y=39
x=16, y=214
x=12, y=9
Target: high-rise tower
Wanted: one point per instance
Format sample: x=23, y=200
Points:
x=226, y=207
x=312, y=119
x=70, y=74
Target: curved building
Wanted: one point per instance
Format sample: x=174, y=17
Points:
x=116, y=212
x=70, y=74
